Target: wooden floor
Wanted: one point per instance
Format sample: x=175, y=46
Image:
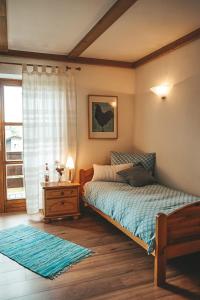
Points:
x=119, y=269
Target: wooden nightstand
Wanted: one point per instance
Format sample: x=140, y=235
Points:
x=60, y=199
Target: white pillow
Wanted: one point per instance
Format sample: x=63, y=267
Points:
x=109, y=172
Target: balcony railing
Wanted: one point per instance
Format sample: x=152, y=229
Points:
x=14, y=172
x=14, y=155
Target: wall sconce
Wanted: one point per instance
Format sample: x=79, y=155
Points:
x=161, y=90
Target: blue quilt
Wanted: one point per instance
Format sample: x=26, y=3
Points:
x=135, y=208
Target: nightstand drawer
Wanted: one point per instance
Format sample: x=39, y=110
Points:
x=61, y=206
x=61, y=193
x=60, y=200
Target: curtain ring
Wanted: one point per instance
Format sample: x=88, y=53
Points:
x=53, y=69
x=24, y=68
x=43, y=69
x=35, y=68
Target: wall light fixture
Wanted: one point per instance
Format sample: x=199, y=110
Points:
x=161, y=90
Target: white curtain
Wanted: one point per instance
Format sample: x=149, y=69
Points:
x=49, y=122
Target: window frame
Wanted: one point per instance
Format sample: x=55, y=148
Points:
x=5, y=204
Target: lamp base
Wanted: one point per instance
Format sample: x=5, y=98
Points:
x=70, y=176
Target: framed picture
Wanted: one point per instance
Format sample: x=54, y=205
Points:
x=102, y=117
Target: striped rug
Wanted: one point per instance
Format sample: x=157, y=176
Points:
x=40, y=252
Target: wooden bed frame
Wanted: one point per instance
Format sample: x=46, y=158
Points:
x=177, y=234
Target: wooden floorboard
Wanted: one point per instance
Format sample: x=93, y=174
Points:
x=118, y=269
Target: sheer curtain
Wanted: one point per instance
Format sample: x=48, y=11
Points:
x=49, y=121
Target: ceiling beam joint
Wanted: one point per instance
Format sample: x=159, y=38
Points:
x=64, y=58
x=188, y=38
x=112, y=15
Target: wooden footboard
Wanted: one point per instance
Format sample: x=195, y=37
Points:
x=177, y=234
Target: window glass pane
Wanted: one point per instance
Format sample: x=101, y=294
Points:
x=15, y=182
x=14, y=142
x=13, y=103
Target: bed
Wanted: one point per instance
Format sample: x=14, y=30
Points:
x=165, y=222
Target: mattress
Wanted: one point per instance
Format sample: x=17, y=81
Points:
x=135, y=208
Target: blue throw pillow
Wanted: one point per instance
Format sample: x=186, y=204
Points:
x=147, y=159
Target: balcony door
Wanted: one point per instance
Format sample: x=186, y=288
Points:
x=12, y=191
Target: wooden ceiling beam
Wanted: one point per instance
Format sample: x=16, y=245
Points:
x=64, y=58
x=188, y=38
x=3, y=26
x=112, y=15
x=194, y=35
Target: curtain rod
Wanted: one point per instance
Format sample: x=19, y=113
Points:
x=31, y=65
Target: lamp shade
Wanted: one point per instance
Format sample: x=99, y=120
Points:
x=161, y=90
x=70, y=163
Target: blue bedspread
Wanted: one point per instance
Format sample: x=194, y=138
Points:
x=136, y=208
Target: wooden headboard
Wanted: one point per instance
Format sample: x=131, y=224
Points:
x=85, y=176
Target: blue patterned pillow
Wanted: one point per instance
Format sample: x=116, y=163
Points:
x=147, y=159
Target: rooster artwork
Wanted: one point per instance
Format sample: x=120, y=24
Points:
x=102, y=117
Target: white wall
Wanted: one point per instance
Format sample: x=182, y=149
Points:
x=171, y=128
x=103, y=81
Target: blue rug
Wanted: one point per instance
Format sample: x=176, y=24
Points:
x=40, y=252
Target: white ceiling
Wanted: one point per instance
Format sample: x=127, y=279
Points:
x=146, y=27
x=52, y=26
x=56, y=26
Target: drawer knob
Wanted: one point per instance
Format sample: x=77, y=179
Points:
x=62, y=193
x=62, y=202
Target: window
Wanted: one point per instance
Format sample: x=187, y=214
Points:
x=12, y=141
